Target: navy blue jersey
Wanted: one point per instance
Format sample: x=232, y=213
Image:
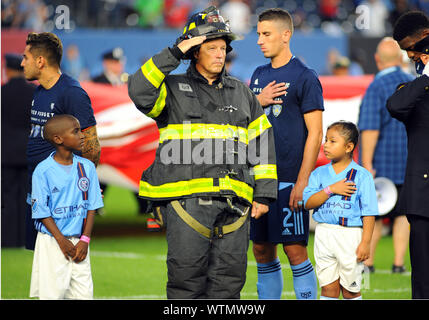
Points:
x=65, y=97
x=304, y=94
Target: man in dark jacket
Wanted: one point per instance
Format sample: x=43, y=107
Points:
x=410, y=105
x=215, y=160
x=16, y=96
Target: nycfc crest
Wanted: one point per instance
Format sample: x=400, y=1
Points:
x=277, y=108
x=83, y=184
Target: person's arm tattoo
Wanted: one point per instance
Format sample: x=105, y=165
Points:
x=91, y=149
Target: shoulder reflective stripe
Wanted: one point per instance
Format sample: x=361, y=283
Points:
x=202, y=131
x=160, y=103
x=265, y=171
x=194, y=186
x=258, y=126
x=152, y=73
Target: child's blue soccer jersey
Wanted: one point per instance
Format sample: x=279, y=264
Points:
x=303, y=94
x=65, y=196
x=345, y=211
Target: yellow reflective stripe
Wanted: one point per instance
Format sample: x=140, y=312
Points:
x=152, y=73
x=202, y=131
x=258, y=126
x=194, y=186
x=160, y=103
x=240, y=188
x=265, y=171
x=191, y=26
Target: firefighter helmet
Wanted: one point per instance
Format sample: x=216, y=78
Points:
x=207, y=23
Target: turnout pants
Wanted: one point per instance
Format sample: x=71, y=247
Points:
x=207, y=248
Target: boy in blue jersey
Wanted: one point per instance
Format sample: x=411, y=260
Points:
x=343, y=197
x=57, y=94
x=291, y=95
x=65, y=195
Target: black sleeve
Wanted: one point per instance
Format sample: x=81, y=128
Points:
x=403, y=101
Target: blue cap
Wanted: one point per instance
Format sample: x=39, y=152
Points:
x=13, y=61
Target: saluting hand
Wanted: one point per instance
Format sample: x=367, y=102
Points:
x=187, y=44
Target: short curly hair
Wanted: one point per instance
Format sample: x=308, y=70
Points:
x=411, y=24
x=47, y=45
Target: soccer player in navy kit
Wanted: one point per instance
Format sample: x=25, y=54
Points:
x=291, y=95
x=57, y=94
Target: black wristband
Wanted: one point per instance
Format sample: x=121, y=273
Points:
x=176, y=52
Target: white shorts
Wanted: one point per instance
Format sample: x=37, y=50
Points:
x=55, y=277
x=335, y=254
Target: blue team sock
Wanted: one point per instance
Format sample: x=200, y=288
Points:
x=304, y=280
x=270, y=280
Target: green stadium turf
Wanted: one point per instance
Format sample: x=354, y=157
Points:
x=129, y=263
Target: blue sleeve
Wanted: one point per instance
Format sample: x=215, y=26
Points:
x=78, y=104
x=311, y=93
x=368, y=197
x=95, y=198
x=40, y=196
x=370, y=109
x=312, y=187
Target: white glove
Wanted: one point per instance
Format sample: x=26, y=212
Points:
x=426, y=69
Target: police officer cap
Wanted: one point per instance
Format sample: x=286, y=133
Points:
x=13, y=61
x=115, y=54
x=422, y=46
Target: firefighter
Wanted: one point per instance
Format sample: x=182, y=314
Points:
x=215, y=165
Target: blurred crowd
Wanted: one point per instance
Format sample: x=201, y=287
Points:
x=370, y=17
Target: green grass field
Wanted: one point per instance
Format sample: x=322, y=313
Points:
x=133, y=266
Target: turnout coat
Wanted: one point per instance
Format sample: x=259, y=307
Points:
x=215, y=140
